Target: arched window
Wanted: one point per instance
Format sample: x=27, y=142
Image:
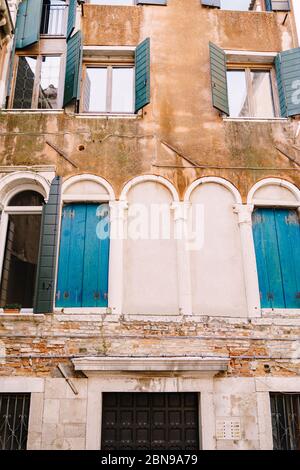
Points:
x=23, y=218
x=82, y=278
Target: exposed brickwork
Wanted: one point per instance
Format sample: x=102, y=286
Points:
x=257, y=348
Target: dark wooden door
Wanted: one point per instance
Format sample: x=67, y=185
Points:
x=144, y=421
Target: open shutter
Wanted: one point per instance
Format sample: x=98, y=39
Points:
x=142, y=75
x=44, y=297
x=73, y=68
x=28, y=23
x=152, y=2
x=278, y=5
x=71, y=17
x=218, y=72
x=211, y=3
x=10, y=69
x=288, y=79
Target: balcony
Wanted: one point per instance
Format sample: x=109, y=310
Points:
x=54, y=18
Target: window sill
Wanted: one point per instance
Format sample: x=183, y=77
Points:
x=107, y=115
x=282, y=312
x=26, y=316
x=33, y=111
x=254, y=119
x=82, y=311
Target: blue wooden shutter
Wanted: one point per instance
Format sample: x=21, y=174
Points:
x=277, y=244
x=218, y=72
x=44, y=296
x=71, y=17
x=83, y=258
x=211, y=3
x=288, y=79
x=278, y=5
x=142, y=75
x=28, y=23
x=73, y=68
x=96, y=255
x=71, y=256
x=152, y=2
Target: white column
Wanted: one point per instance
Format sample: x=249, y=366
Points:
x=115, y=274
x=181, y=210
x=244, y=212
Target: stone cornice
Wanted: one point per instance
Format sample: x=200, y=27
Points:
x=92, y=365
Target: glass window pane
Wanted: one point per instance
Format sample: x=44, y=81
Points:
x=112, y=2
x=237, y=93
x=241, y=5
x=48, y=89
x=262, y=94
x=95, y=89
x=20, y=260
x=27, y=198
x=24, y=82
x=122, y=90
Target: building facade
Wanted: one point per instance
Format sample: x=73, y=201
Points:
x=150, y=231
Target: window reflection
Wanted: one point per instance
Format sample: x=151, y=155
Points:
x=95, y=89
x=237, y=93
x=122, y=90
x=48, y=89
x=109, y=89
x=24, y=82
x=241, y=5
x=262, y=94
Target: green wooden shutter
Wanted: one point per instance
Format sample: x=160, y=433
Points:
x=278, y=5
x=28, y=23
x=218, y=72
x=288, y=79
x=142, y=75
x=71, y=17
x=73, y=68
x=44, y=296
x=152, y=2
x=211, y=3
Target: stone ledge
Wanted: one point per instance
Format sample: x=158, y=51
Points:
x=92, y=365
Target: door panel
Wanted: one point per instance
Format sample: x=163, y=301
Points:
x=149, y=421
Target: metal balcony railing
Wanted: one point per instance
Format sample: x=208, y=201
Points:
x=54, y=19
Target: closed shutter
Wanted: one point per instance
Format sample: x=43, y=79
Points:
x=73, y=68
x=71, y=17
x=152, y=2
x=44, y=297
x=83, y=258
x=218, y=72
x=288, y=79
x=211, y=3
x=278, y=5
x=28, y=23
x=277, y=244
x=142, y=75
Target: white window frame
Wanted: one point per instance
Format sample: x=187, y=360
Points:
x=13, y=210
x=85, y=198
x=35, y=93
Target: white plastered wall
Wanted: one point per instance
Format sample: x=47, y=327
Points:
x=150, y=283
x=217, y=269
